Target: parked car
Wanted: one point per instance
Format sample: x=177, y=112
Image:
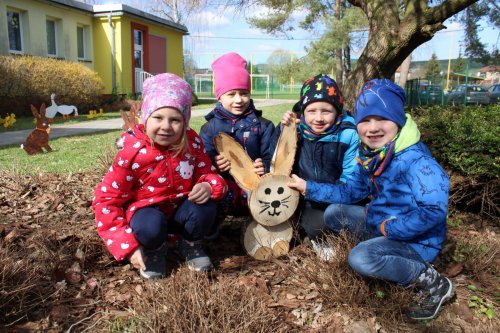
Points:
x=429, y=94
x=494, y=93
x=468, y=94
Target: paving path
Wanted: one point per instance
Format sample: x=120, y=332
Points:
x=58, y=130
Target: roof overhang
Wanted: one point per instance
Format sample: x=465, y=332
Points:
x=125, y=10
x=118, y=10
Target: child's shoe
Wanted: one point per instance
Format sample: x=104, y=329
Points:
x=324, y=251
x=434, y=290
x=196, y=258
x=155, y=261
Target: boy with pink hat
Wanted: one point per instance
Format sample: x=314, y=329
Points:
x=235, y=114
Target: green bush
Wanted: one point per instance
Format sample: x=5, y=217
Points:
x=28, y=80
x=464, y=140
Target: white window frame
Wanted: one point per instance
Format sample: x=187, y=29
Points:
x=84, y=46
x=21, y=39
x=56, y=36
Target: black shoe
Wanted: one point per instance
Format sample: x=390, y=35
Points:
x=156, y=263
x=196, y=258
x=431, y=300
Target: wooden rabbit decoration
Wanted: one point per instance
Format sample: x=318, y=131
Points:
x=271, y=201
x=130, y=120
x=39, y=138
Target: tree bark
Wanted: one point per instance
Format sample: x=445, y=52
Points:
x=338, y=52
x=405, y=68
x=393, y=36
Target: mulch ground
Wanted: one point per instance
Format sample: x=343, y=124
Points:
x=47, y=222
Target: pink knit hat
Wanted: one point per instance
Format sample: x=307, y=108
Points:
x=230, y=71
x=166, y=90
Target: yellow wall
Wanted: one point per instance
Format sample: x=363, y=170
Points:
x=98, y=53
x=33, y=20
x=123, y=50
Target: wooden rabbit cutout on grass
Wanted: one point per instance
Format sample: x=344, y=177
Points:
x=271, y=201
x=130, y=120
x=39, y=138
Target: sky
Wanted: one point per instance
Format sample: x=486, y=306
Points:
x=215, y=31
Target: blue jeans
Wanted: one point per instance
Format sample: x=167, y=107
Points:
x=377, y=257
x=193, y=221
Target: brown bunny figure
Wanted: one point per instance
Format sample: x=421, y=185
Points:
x=270, y=200
x=39, y=138
x=129, y=121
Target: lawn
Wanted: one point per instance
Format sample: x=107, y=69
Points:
x=82, y=153
x=28, y=122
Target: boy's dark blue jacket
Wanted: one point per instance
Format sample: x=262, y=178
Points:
x=252, y=131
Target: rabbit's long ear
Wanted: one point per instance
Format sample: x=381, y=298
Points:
x=34, y=111
x=241, y=163
x=284, y=155
x=42, y=110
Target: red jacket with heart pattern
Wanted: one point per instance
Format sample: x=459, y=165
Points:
x=144, y=175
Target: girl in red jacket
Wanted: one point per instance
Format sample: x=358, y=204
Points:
x=162, y=181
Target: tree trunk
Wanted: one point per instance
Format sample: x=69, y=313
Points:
x=393, y=36
x=403, y=74
x=338, y=52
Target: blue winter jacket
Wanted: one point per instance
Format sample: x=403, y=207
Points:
x=411, y=195
x=328, y=159
x=252, y=131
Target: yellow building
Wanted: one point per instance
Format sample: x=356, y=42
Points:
x=122, y=44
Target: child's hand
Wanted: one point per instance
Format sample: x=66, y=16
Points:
x=200, y=193
x=258, y=166
x=298, y=184
x=287, y=117
x=222, y=163
x=136, y=259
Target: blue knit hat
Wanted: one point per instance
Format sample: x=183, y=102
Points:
x=383, y=98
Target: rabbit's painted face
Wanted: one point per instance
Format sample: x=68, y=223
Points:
x=272, y=202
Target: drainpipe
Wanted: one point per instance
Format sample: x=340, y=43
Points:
x=113, y=70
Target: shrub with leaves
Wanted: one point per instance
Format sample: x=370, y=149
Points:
x=464, y=139
x=466, y=142
x=29, y=79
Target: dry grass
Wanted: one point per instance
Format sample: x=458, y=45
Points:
x=343, y=290
x=24, y=287
x=191, y=302
x=57, y=276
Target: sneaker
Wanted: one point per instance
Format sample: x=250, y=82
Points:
x=155, y=261
x=196, y=259
x=324, y=251
x=429, y=304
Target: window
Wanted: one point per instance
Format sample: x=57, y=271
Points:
x=138, y=49
x=51, y=37
x=80, y=40
x=15, y=31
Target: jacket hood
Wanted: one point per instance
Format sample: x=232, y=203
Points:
x=409, y=135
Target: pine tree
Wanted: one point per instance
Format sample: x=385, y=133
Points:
x=433, y=70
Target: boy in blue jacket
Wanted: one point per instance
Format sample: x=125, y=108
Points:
x=326, y=149
x=235, y=114
x=403, y=228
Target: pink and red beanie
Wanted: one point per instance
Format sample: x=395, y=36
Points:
x=166, y=90
x=230, y=72
x=382, y=98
